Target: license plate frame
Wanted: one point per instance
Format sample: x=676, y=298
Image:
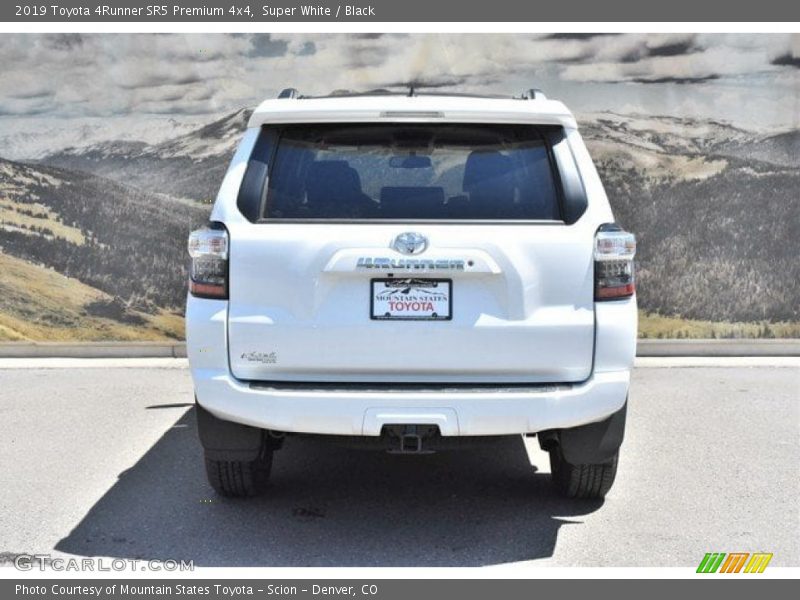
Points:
x=424, y=283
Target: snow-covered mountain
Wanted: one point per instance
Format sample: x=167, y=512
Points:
x=664, y=134
x=197, y=143
x=680, y=149
x=216, y=139
x=32, y=138
x=190, y=165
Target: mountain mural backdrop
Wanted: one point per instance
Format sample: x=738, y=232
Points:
x=95, y=211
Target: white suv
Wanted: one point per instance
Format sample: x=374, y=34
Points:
x=411, y=272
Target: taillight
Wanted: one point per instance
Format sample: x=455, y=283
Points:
x=614, y=250
x=209, y=271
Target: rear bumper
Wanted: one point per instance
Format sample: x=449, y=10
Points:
x=457, y=411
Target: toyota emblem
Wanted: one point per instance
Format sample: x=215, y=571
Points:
x=410, y=242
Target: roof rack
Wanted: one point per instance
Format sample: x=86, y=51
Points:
x=533, y=94
x=289, y=93
x=292, y=93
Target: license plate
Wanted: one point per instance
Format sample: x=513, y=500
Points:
x=411, y=299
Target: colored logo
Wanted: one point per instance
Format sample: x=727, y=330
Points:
x=734, y=562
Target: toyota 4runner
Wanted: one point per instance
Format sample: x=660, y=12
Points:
x=411, y=272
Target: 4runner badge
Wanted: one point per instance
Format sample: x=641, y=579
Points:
x=421, y=264
x=267, y=358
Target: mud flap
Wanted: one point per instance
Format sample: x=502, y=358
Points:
x=594, y=443
x=225, y=440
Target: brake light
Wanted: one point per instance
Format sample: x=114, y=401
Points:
x=614, y=250
x=208, y=248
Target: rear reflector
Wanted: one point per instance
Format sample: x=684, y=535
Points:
x=608, y=293
x=206, y=290
x=209, y=271
x=614, y=250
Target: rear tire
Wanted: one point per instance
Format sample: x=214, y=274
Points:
x=240, y=479
x=585, y=481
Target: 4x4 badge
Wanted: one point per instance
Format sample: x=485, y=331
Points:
x=410, y=242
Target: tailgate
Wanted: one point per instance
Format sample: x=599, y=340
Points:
x=511, y=303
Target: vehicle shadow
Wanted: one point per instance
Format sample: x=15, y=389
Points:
x=331, y=506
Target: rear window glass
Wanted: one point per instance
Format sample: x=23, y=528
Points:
x=409, y=172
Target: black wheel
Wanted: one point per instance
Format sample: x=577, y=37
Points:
x=589, y=481
x=240, y=479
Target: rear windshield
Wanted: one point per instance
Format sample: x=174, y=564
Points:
x=411, y=172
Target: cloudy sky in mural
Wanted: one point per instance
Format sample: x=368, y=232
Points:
x=751, y=80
